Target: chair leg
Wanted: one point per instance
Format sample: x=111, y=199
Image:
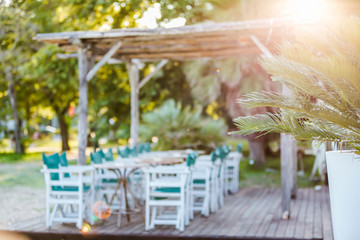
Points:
x=191, y=204
x=80, y=215
x=53, y=213
x=118, y=224
x=207, y=198
x=147, y=216
x=92, y=203
x=47, y=212
x=182, y=217
x=153, y=217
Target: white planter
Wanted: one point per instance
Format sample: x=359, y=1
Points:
x=344, y=186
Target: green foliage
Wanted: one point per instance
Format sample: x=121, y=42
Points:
x=179, y=128
x=321, y=69
x=55, y=79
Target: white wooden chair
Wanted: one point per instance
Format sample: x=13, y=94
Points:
x=232, y=165
x=167, y=186
x=74, y=192
x=205, y=185
x=107, y=181
x=222, y=154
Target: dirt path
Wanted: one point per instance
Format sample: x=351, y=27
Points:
x=21, y=198
x=20, y=203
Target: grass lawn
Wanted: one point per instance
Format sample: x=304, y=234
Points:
x=269, y=175
x=23, y=174
x=16, y=158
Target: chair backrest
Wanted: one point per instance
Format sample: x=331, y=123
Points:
x=52, y=162
x=155, y=174
x=109, y=156
x=64, y=163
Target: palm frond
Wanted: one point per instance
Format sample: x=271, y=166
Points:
x=314, y=109
x=289, y=122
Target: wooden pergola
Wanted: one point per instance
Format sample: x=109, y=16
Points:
x=134, y=46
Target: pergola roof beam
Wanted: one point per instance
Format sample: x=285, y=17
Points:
x=66, y=55
x=103, y=61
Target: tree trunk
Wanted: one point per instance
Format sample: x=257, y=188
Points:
x=257, y=149
x=17, y=126
x=64, y=131
x=28, y=117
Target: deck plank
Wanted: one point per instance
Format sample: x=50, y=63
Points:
x=273, y=211
x=238, y=223
x=250, y=213
x=258, y=215
x=300, y=223
x=294, y=214
x=220, y=226
x=326, y=216
x=309, y=217
x=317, y=231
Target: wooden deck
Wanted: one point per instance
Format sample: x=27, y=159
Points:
x=251, y=214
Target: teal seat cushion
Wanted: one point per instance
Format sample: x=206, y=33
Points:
x=141, y=148
x=214, y=156
x=199, y=181
x=134, y=152
x=127, y=151
x=52, y=162
x=101, y=152
x=147, y=147
x=239, y=147
x=109, y=157
x=96, y=157
x=111, y=180
x=63, y=160
x=122, y=154
x=69, y=188
x=168, y=189
x=64, y=163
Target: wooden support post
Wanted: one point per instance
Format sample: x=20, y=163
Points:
x=288, y=172
x=83, y=104
x=288, y=167
x=133, y=72
x=288, y=153
x=294, y=159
